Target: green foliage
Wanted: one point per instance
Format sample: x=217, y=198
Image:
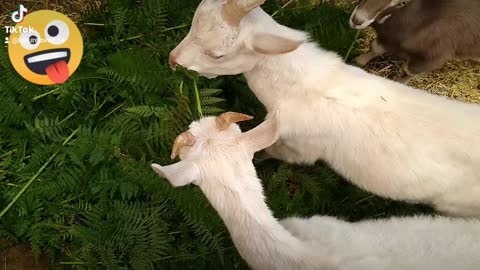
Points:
x=98, y=205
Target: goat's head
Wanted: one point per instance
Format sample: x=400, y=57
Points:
x=228, y=36
x=215, y=144
x=369, y=11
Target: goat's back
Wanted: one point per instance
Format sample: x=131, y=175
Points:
x=432, y=28
x=421, y=242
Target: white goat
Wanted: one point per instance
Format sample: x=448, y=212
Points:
x=217, y=156
x=385, y=137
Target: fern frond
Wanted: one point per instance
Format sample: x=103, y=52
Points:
x=209, y=101
x=47, y=129
x=147, y=111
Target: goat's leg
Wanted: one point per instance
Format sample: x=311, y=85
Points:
x=375, y=50
x=280, y=150
x=417, y=66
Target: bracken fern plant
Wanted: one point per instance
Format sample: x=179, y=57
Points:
x=75, y=180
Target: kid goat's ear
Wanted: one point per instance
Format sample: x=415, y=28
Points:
x=179, y=174
x=261, y=136
x=266, y=43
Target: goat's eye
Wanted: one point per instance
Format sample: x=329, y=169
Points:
x=402, y=4
x=214, y=56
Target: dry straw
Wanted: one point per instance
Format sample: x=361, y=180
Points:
x=457, y=79
x=72, y=8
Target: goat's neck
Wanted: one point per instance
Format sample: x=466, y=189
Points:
x=275, y=77
x=258, y=236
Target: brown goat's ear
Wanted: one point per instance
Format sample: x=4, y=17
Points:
x=179, y=174
x=272, y=44
x=262, y=136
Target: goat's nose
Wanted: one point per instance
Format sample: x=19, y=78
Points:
x=355, y=21
x=172, y=61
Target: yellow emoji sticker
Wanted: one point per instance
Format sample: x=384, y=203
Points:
x=46, y=47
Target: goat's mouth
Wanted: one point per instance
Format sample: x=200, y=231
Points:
x=362, y=25
x=204, y=74
x=53, y=63
x=357, y=23
x=194, y=73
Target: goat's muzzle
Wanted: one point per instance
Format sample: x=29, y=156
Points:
x=172, y=60
x=355, y=22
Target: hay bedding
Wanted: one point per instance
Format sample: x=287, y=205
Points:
x=457, y=79
x=73, y=9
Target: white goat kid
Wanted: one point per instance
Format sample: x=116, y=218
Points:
x=217, y=156
x=385, y=137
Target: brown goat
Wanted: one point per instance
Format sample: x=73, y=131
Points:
x=427, y=32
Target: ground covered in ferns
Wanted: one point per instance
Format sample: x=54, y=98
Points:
x=86, y=145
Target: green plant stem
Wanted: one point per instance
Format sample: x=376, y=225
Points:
x=45, y=94
x=68, y=117
x=8, y=184
x=114, y=110
x=75, y=263
x=284, y=6
x=351, y=46
x=364, y=199
x=33, y=178
x=197, y=97
x=181, y=87
x=95, y=24
x=131, y=38
x=175, y=27
x=8, y=153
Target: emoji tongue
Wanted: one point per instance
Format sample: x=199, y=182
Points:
x=58, y=72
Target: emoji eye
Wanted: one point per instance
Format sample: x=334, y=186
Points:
x=57, y=32
x=30, y=40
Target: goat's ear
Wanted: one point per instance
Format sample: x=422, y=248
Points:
x=179, y=174
x=271, y=44
x=261, y=136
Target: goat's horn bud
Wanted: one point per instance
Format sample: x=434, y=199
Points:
x=184, y=139
x=233, y=11
x=227, y=118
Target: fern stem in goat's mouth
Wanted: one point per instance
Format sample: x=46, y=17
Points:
x=197, y=97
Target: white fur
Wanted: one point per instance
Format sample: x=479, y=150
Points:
x=220, y=164
x=387, y=138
